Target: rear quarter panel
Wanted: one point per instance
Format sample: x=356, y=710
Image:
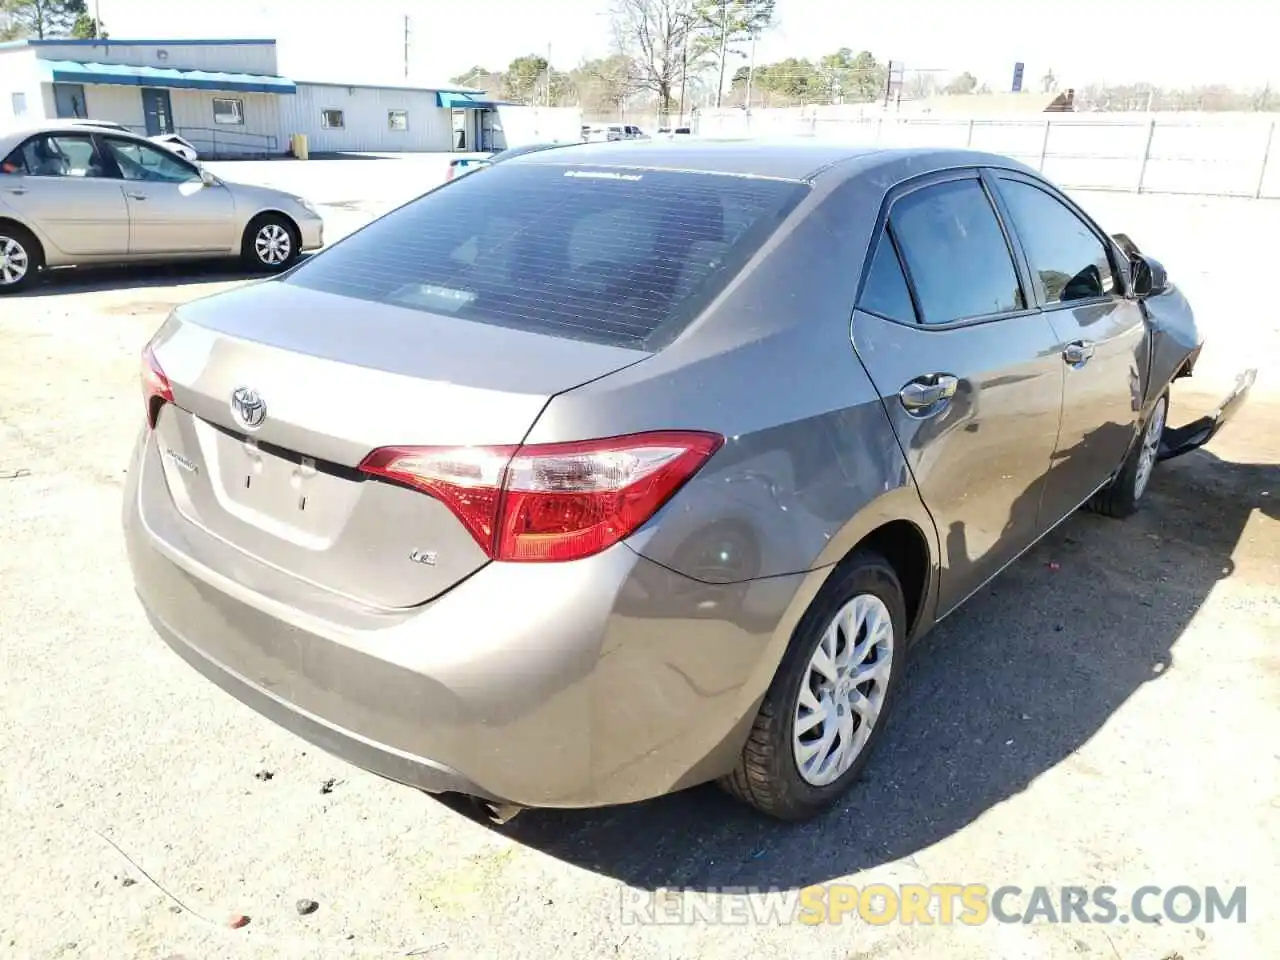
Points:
x=53, y=256
x=810, y=463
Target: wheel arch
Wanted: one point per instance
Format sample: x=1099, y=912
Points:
x=272, y=212
x=42, y=246
x=898, y=527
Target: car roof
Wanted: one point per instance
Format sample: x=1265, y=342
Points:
x=15, y=135
x=799, y=159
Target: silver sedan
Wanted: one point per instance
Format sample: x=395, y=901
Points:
x=76, y=196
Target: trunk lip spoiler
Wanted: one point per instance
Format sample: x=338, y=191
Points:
x=1179, y=440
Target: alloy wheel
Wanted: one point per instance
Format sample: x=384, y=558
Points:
x=843, y=691
x=1150, y=448
x=14, y=261
x=273, y=245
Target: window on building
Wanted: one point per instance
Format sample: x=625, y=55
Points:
x=228, y=111
x=332, y=119
x=398, y=119
x=19, y=104
x=68, y=99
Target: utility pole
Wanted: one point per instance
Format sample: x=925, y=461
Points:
x=751, y=71
x=97, y=21
x=724, y=45
x=548, y=100
x=684, y=65
x=406, y=46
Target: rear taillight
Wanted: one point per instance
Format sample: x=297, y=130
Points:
x=556, y=501
x=156, y=390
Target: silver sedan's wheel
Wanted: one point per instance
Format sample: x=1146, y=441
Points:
x=15, y=261
x=843, y=690
x=1150, y=449
x=273, y=245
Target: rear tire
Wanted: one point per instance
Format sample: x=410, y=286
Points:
x=1123, y=495
x=857, y=624
x=21, y=258
x=270, y=244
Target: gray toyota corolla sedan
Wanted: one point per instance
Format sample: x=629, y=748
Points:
x=628, y=467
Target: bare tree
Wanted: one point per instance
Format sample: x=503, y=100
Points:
x=655, y=35
x=605, y=84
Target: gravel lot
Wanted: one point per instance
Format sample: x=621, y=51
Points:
x=1108, y=712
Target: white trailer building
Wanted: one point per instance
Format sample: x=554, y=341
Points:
x=228, y=99
x=224, y=95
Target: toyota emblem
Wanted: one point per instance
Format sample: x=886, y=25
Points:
x=248, y=408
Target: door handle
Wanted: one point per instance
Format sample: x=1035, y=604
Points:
x=18, y=191
x=926, y=396
x=1077, y=352
x=137, y=196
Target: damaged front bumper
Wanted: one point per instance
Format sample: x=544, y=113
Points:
x=1179, y=440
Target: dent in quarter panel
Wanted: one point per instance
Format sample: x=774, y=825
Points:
x=773, y=501
x=980, y=462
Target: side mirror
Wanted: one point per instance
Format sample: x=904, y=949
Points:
x=1149, y=277
x=208, y=179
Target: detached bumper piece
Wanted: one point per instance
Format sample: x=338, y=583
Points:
x=1177, y=441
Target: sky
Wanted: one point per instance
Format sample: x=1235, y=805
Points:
x=1168, y=42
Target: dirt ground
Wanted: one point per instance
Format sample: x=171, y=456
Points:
x=1106, y=712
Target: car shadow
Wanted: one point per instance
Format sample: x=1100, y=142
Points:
x=1007, y=688
x=59, y=282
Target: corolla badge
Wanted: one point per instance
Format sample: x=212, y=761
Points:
x=248, y=408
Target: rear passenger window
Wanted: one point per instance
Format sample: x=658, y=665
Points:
x=1068, y=260
x=611, y=255
x=886, y=293
x=14, y=163
x=956, y=252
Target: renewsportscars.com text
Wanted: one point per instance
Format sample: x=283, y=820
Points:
x=942, y=904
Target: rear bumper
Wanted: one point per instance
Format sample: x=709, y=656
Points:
x=1179, y=440
x=377, y=758
x=603, y=681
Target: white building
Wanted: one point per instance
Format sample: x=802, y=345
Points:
x=228, y=99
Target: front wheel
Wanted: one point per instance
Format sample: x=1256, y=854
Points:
x=1123, y=495
x=826, y=707
x=270, y=244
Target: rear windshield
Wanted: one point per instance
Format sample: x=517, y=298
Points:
x=616, y=256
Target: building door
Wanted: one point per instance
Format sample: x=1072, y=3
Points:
x=157, y=111
x=68, y=100
x=464, y=134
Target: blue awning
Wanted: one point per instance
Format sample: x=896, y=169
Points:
x=119, y=74
x=465, y=101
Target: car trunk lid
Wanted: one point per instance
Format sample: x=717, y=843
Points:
x=337, y=378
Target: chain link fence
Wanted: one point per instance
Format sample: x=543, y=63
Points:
x=1232, y=155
